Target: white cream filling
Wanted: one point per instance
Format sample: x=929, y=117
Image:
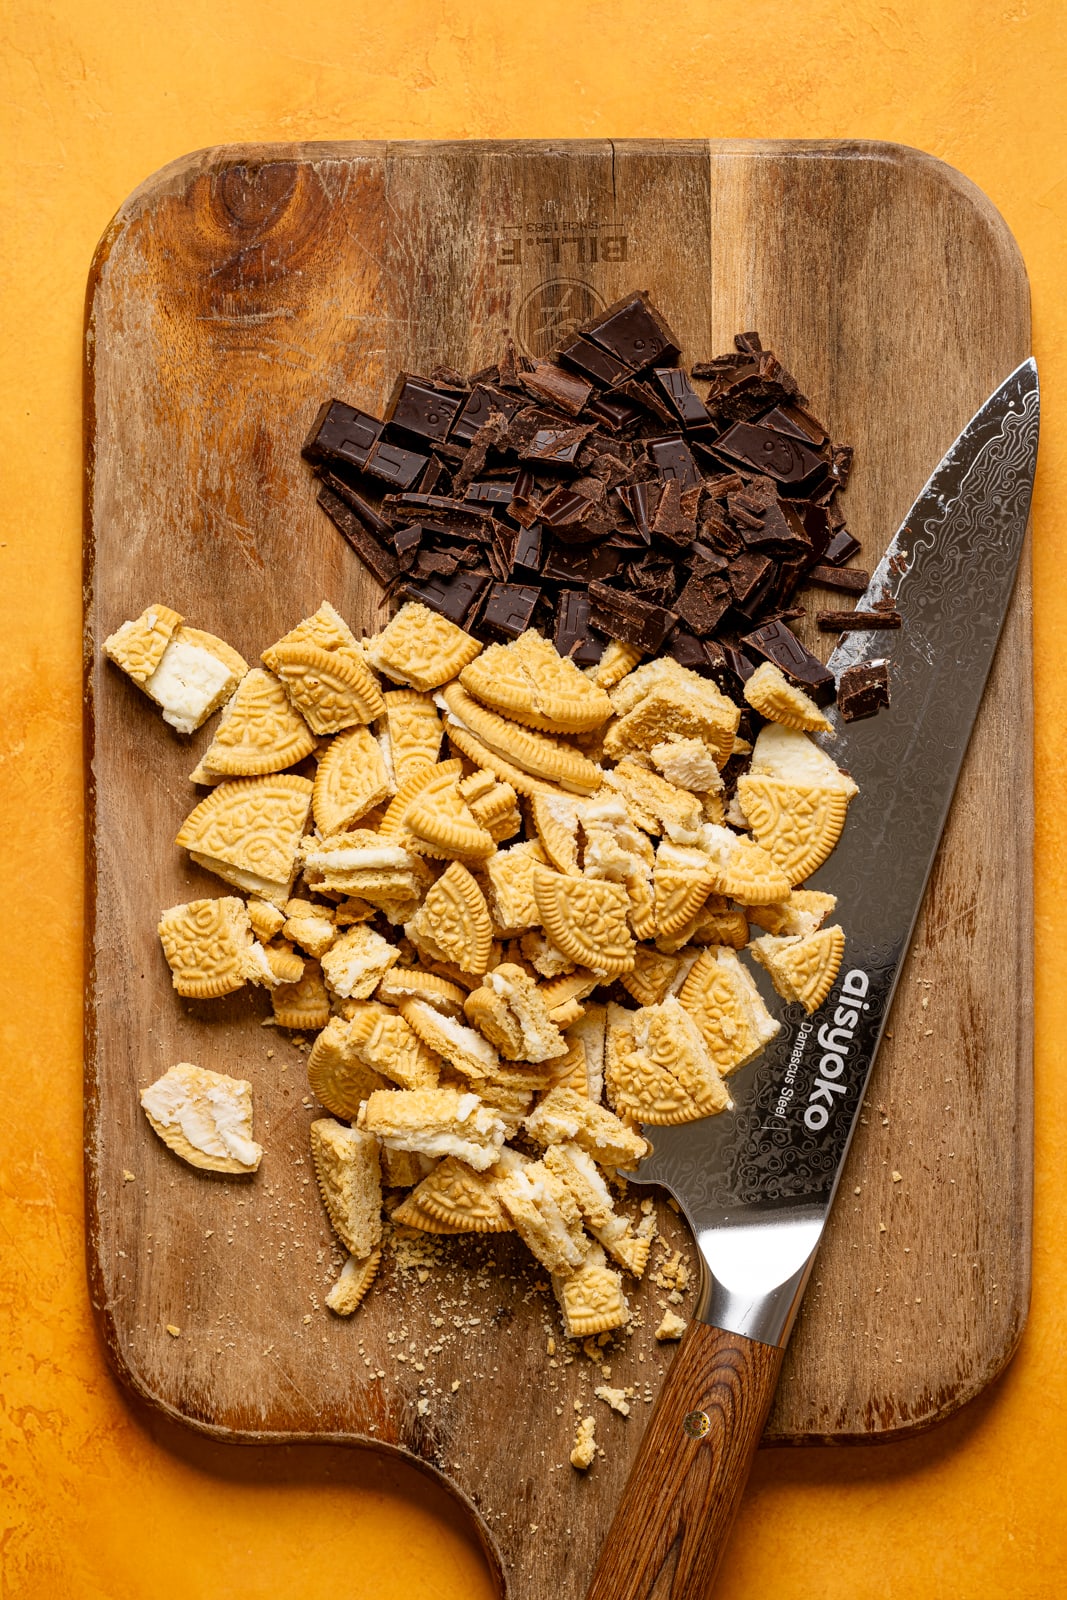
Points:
x=187, y=684
x=214, y=1120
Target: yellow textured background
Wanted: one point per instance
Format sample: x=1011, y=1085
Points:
x=96, y=1499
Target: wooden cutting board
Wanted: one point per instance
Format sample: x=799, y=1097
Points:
x=233, y=293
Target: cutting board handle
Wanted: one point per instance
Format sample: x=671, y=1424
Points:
x=683, y=1491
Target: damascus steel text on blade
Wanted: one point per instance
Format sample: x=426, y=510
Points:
x=950, y=570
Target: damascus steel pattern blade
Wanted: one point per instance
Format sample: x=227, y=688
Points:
x=756, y=1183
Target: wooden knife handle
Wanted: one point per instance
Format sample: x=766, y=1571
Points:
x=684, y=1488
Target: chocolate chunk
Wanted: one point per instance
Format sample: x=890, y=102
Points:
x=687, y=650
x=796, y=421
x=853, y=580
x=648, y=398
x=842, y=547
x=624, y=616
x=394, y=465
x=409, y=538
x=379, y=525
x=489, y=493
x=640, y=500
x=609, y=469
x=673, y=458
x=459, y=518
x=703, y=603
x=747, y=574
x=593, y=362
x=737, y=662
x=560, y=388
x=341, y=433
x=449, y=380
x=856, y=621
x=816, y=522
x=613, y=411
x=555, y=446
x=428, y=563
x=509, y=608
x=434, y=477
x=419, y=408
x=863, y=690
x=528, y=553
x=841, y=464
x=454, y=597
x=573, y=633
x=780, y=456
x=777, y=527
x=779, y=644
x=566, y=506
x=483, y=400
x=580, y=563
x=379, y=562
x=670, y=521
x=682, y=399
x=633, y=331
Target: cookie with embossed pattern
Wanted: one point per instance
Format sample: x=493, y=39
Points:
x=357, y=961
x=414, y=731
x=248, y=832
x=586, y=918
x=802, y=968
x=591, y=1297
x=522, y=748
x=464, y=1200
x=303, y=1006
x=440, y=824
x=338, y=1076
x=769, y=692
x=566, y=1114
x=797, y=825
x=259, y=732
x=682, y=879
x=721, y=997
x=351, y=780
x=743, y=870
x=383, y=1040
x=421, y=648
x=453, y=922
x=529, y=681
x=465, y=1049
x=667, y=1075
x=208, y=946
x=137, y=647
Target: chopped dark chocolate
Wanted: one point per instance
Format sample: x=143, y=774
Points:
x=633, y=331
x=341, y=433
x=483, y=400
x=394, y=465
x=528, y=553
x=781, y=456
x=509, y=608
x=579, y=563
x=624, y=616
x=573, y=487
x=573, y=633
x=593, y=362
x=856, y=621
x=489, y=493
x=780, y=645
x=454, y=597
x=682, y=399
x=562, y=389
x=863, y=690
x=853, y=580
x=703, y=603
x=419, y=408
x=380, y=563
x=842, y=547
x=673, y=458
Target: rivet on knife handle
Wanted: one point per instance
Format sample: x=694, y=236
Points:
x=683, y=1491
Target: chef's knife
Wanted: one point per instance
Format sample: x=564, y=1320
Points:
x=756, y=1183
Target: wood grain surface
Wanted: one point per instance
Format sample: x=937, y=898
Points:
x=233, y=292
x=678, y=1507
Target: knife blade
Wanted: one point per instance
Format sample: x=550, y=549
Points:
x=756, y=1183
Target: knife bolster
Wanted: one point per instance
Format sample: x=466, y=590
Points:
x=754, y=1274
